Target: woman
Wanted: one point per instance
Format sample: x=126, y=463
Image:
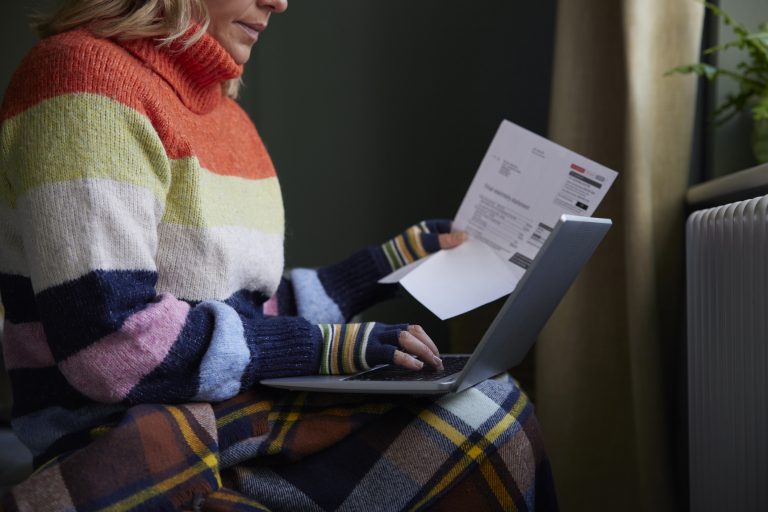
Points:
x=140, y=265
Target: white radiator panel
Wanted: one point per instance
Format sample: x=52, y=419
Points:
x=727, y=281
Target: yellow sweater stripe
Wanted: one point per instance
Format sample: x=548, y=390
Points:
x=120, y=144
x=222, y=200
x=112, y=141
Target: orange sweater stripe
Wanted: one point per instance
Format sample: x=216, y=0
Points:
x=76, y=61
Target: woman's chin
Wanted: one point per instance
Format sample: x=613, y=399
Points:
x=241, y=55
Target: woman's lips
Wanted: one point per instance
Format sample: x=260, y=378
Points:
x=252, y=30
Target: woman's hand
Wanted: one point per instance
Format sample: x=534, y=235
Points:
x=451, y=240
x=421, y=240
x=350, y=348
x=414, y=341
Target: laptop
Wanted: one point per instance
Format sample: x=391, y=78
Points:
x=507, y=340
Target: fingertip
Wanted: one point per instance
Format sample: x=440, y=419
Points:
x=412, y=363
x=452, y=240
x=407, y=361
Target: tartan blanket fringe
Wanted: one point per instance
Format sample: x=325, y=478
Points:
x=270, y=450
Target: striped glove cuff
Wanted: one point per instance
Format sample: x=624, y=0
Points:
x=415, y=243
x=351, y=348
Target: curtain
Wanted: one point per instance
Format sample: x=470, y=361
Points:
x=608, y=389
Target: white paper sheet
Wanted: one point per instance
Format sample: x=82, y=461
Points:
x=523, y=185
x=400, y=273
x=452, y=282
x=525, y=182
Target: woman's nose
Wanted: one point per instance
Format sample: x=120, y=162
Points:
x=276, y=6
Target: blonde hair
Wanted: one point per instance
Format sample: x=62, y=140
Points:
x=164, y=20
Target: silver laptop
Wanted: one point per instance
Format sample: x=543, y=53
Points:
x=507, y=340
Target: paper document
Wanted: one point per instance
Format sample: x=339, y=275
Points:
x=523, y=185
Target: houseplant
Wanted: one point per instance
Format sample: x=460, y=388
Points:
x=751, y=74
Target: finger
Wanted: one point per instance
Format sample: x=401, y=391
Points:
x=451, y=240
x=413, y=345
x=422, y=335
x=407, y=361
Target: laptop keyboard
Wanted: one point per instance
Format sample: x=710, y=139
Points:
x=451, y=365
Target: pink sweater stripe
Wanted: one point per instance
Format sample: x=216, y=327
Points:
x=25, y=346
x=107, y=370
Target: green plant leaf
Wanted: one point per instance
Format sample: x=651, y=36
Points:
x=701, y=69
x=761, y=36
x=742, y=79
x=760, y=110
x=736, y=43
x=751, y=73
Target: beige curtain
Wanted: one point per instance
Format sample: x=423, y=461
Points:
x=604, y=374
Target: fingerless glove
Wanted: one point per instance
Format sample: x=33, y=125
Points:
x=414, y=243
x=351, y=348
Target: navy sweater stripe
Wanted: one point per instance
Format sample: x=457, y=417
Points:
x=35, y=389
x=353, y=283
x=80, y=312
x=18, y=298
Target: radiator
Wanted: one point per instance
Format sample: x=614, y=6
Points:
x=727, y=316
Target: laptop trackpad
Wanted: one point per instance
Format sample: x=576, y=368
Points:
x=451, y=365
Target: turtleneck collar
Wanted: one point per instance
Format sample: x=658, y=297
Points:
x=195, y=73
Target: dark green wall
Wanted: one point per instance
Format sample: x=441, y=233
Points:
x=15, y=35
x=377, y=114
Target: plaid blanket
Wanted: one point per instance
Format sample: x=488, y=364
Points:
x=271, y=450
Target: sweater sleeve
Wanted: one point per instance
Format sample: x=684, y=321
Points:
x=335, y=293
x=87, y=182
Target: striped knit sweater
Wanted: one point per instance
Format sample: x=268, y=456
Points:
x=141, y=241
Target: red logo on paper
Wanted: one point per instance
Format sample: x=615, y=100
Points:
x=577, y=168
